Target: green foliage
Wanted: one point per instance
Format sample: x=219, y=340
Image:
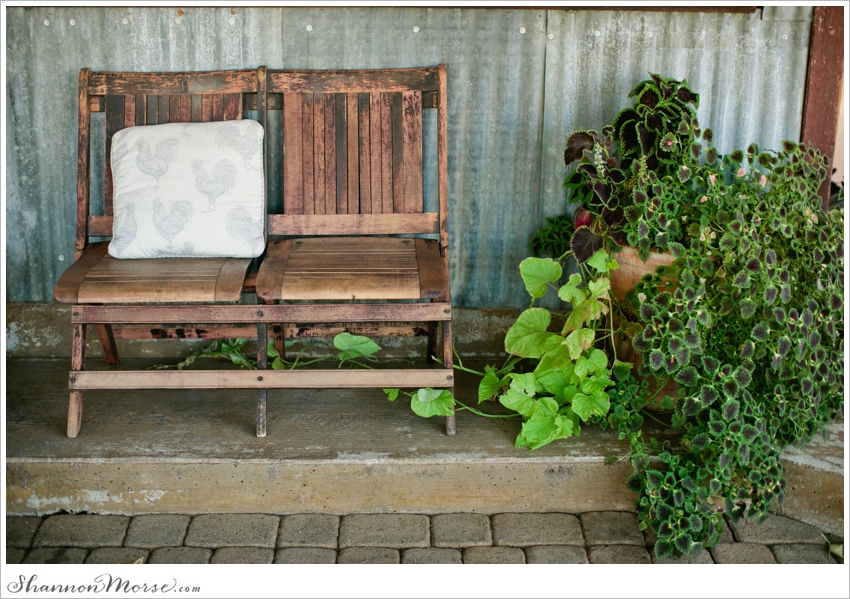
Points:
x=749, y=318
x=553, y=238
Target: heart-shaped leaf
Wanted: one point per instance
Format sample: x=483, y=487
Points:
x=433, y=402
x=519, y=402
x=599, y=261
x=570, y=292
x=578, y=341
x=587, y=405
x=490, y=385
x=528, y=336
x=537, y=273
x=354, y=346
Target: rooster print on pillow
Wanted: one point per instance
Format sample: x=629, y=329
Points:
x=189, y=195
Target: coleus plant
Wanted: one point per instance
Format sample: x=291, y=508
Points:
x=748, y=320
x=753, y=334
x=622, y=173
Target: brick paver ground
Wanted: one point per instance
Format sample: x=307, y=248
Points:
x=550, y=538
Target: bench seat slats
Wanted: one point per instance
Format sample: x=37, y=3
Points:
x=352, y=268
x=99, y=278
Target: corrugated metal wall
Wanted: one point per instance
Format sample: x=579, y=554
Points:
x=514, y=98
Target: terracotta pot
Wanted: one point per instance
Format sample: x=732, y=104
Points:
x=632, y=269
x=623, y=280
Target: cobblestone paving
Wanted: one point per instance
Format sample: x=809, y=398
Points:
x=551, y=538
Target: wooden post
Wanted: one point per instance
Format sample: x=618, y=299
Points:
x=262, y=357
x=823, y=85
x=83, y=165
x=78, y=363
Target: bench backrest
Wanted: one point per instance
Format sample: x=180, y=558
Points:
x=353, y=151
x=130, y=99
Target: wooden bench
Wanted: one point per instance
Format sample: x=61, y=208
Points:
x=117, y=295
x=353, y=197
x=331, y=191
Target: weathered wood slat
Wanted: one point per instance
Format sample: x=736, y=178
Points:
x=386, y=154
x=341, y=145
x=398, y=152
x=376, y=205
x=129, y=110
x=270, y=278
x=233, y=314
x=364, y=158
x=267, y=379
x=141, y=108
x=67, y=287
x=95, y=103
x=207, y=108
x=164, y=110
x=217, y=108
x=412, y=136
x=83, y=158
x=442, y=170
x=330, y=154
x=212, y=82
x=353, y=153
x=151, y=118
x=197, y=108
x=319, y=180
x=307, y=170
x=353, y=224
x=99, y=278
x=353, y=81
x=228, y=286
x=114, y=123
x=181, y=108
x=100, y=226
x=364, y=268
x=432, y=280
x=293, y=162
x=232, y=109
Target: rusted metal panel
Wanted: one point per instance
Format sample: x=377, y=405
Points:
x=512, y=99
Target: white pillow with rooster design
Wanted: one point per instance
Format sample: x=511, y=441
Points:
x=189, y=189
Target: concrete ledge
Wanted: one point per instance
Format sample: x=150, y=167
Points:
x=327, y=451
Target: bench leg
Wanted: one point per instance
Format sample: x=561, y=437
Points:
x=262, y=358
x=448, y=362
x=78, y=363
x=108, y=342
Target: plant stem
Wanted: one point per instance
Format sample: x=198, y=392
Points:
x=645, y=413
x=611, y=322
x=485, y=414
x=459, y=366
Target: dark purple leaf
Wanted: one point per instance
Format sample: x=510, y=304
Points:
x=588, y=169
x=603, y=191
x=686, y=96
x=577, y=143
x=647, y=138
x=649, y=98
x=585, y=243
x=616, y=175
